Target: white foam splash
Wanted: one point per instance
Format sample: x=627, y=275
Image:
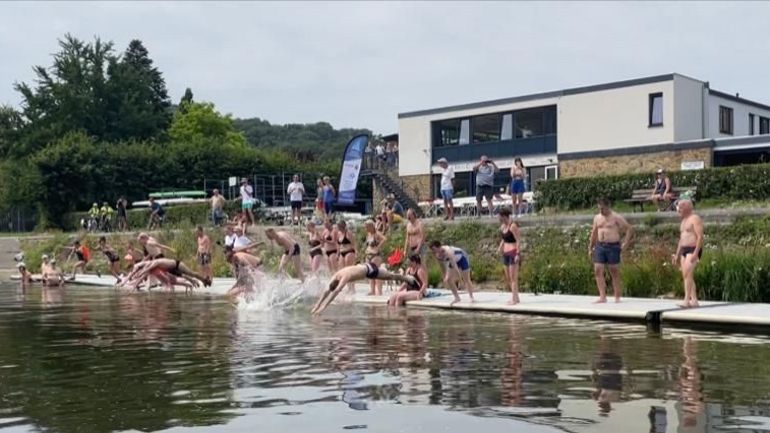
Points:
x=272, y=292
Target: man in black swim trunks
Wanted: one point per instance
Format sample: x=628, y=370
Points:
x=291, y=251
x=689, y=250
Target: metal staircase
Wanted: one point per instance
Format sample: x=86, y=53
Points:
x=387, y=179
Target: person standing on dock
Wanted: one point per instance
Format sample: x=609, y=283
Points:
x=689, y=250
x=457, y=268
x=203, y=253
x=604, y=247
x=509, y=248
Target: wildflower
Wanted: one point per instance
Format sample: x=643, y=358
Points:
x=713, y=263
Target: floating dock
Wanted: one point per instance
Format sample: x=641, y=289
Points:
x=654, y=311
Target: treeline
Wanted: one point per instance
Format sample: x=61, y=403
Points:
x=304, y=142
x=97, y=124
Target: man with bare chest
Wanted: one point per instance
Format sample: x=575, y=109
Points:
x=689, y=250
x=604, y=247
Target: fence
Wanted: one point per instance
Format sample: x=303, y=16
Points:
x=18, y=220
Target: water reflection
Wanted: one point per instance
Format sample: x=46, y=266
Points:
x=95, y=361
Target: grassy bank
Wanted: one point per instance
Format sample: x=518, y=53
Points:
x=735, y=264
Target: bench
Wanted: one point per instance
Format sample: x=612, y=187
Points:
x=641, y=196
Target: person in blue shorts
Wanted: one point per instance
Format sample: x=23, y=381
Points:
x=604, y=247
x=518, y=174
x=457, y=268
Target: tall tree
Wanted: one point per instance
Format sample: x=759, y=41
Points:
x=68, y=96
x=139, y=102
x=186, y=100
x=11, y=124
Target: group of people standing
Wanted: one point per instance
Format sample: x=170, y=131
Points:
x=485, y=170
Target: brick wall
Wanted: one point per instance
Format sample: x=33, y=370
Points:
x=643, y=163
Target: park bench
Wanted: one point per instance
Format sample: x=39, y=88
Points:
x=641, y=196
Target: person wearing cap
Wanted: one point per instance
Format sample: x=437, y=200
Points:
x=663, y=190
x=247, y=200
x=447, y=188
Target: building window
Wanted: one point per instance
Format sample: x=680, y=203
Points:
x=764, y=125
x=725, y=120
x=655, y=117
x=452, y=132
x=529, y=123
x=751, y=124
x=486, y=128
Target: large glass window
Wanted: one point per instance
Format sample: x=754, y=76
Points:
x=751, y=124
x=656, y=109
x=452, y=132
x=550, y=120
x=529, y=123
x=725, y=120
x=764, y=125
x=486, y=128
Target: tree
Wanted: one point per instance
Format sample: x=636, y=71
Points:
x=201, y=123
x=186, y=100
x=68, y=96
x=139, y=102
x=11, y=125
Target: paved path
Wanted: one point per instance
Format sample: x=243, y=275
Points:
x=8, y=248
x=649, y=310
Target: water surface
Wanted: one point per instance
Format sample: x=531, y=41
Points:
x=94, y=361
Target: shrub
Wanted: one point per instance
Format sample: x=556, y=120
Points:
x=747, y=182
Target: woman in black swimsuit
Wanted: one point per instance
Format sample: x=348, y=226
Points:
x=112, y=257
x=509, y=248
x=329, y=236
x=411, y=293
x=347, y=248
x=374, y=242
x=316, y=246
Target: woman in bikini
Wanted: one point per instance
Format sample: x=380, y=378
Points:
x=411, y=293
x=112, y=257
x=347, y=248
x=374, y=241
x=329, y=236
x=316, y=247
x=509, y=248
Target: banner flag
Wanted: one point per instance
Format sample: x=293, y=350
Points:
x=351, y=167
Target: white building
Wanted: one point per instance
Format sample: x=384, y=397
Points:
x=669, y=121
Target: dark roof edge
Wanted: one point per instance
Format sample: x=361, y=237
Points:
x=543, y=95
x=739, y=99
x=637, y=150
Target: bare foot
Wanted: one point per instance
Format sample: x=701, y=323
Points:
x=617, y=300
x=601, y=301
x=694, y=304
x=684, y=305
x=370, y=294
x=513, y=302
x=454, y=302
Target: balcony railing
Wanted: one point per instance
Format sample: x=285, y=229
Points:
x=544, y=144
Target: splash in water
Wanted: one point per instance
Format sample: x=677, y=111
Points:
x=269, y=292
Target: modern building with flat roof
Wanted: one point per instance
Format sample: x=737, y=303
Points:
x=666, y=121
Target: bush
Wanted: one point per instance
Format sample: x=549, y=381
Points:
x=747, y=182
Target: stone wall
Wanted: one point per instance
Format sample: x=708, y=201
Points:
x=642, y=163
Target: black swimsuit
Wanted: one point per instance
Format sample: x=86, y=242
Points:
x=411, y=288
x=111, y=256
x=316, y=251
x=372, y=271
x=345, y=241
x=508, y=236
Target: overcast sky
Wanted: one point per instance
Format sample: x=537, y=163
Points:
x=359, y=64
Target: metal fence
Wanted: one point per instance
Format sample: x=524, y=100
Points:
x=18, y=220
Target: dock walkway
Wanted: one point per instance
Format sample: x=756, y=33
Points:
x=654, y=311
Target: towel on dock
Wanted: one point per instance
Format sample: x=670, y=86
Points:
x=430, y=293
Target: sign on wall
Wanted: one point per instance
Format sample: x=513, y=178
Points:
x=693, y=165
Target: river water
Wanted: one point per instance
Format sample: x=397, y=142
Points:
x=92, y=360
